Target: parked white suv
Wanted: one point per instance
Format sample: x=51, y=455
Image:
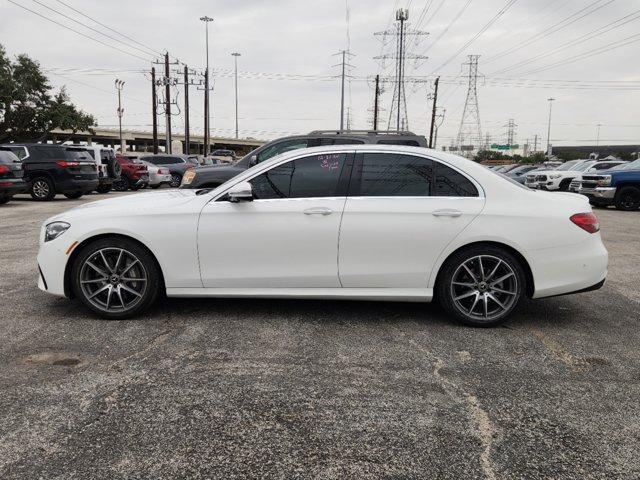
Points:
x=560, y=178
x=109, y=169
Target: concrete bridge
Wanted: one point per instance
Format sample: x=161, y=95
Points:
x=138, y=140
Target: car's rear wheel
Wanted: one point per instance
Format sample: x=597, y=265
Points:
x=116, y=278
x=103, y=189
x=74, y=195
x=481, y=285
x=628, y=199
x=176, y=180
x=42, y=189
x=564, y=185
x=4, y=199
x=121, y=185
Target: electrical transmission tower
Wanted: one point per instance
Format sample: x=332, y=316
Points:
x=511, y=131
x=470, y=133
x=401, y=32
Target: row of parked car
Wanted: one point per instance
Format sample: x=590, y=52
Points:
x=45, y=170
x=605, y=182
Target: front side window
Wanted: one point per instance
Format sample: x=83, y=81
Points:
x=314, y=176
x=20, y=152
x=394, y=175
x=281, y=147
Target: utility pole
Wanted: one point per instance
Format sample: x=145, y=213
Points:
x=167, y=105
x=375, y=103
x=598, y=135
x=535, y=143
x=235, y=59
x=154, y=110
x=511, y=130
x=402, y=15
x=550, y=100
x=119, y=87
x=433, y=112
x=187, y=139
x=344, y=53
x=435, y=134
x=206, y=21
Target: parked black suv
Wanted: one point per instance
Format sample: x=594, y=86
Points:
x=213, y=175
x=52, y=169
x=11, y=181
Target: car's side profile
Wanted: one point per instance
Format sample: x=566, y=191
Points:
x=358, y=222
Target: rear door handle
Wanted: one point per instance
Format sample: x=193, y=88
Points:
x=318, y=211
x=447, y=213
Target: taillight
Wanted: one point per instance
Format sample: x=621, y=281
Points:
x=586, y=221
x=4, y=169
x=65, y=164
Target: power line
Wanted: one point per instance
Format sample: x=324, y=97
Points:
x=444, y=32
x=110, y=92
x=78, y=32
x=587, y=36
x=90, y=28
x=552, y=29
x=488, y=25
x=155, y=52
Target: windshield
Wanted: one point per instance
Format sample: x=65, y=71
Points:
x=569, y=165
x=584, y=167
x=635, y=165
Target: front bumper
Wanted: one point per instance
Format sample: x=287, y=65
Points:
x=605, y=193
x=52, y=261
x=550, y=185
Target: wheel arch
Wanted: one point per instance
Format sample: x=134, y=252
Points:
x=68, y=291
x=530, y=283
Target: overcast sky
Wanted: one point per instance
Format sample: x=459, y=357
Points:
x=286, y=83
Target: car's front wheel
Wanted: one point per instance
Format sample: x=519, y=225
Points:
x=116, y=278
x=74, y=195
x=628, y=199
x=481, y=285
x=42, y=189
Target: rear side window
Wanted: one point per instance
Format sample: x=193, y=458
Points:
x=450, y=183
x=393, y=175
x=315, y=176
x=78, y=154
x=20, y=152
x=7, y=156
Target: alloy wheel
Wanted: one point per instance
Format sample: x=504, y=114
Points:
x=484, y=287
x=175, y=180
x=40, y=188
x=113, y=279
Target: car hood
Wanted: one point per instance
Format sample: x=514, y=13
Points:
x=145, y=202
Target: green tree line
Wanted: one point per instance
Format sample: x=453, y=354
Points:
x=29, y=108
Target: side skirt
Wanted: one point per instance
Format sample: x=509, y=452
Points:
x=382, y=294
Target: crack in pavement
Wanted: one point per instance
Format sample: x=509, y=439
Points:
x=558, y=351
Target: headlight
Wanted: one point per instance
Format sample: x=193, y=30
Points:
x=555, y=175
x=188, y=176
x=54, y=230
x=604, y=181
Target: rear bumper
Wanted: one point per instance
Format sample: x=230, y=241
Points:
x=10, y=187
x=76, y=185
x=569, y=269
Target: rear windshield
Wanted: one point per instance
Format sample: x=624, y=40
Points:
x=77, y=154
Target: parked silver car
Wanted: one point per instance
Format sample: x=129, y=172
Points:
x=158, y=175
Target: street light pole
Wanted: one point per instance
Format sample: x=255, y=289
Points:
x=119, y=87
x=206, y=21
x=598, y=135
x=235, y=59
x=550, y=100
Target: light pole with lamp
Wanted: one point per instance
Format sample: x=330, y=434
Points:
x=206, y=21
x=235, y=59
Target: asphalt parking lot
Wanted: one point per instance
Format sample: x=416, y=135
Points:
x=312, y=389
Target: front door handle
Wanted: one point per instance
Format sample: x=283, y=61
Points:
x=447, y=213
x=318, y=211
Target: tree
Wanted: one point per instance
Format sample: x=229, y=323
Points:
x=28, y=110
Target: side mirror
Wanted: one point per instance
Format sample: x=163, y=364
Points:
x=241, y=192
x=591, y=170
x=253, y=160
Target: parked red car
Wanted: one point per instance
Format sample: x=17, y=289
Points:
x=134, y=174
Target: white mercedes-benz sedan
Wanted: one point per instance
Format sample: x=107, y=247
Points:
x=343, y=222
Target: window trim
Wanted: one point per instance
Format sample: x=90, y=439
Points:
x=360, y=156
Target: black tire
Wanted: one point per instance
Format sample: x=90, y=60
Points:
x=483, y=289
x=121, y=185
x=4, y=199
x=114, y=169
x=564, y=185
x=42, y=189
x=154, y=186
x=176, y=180
x=628, y=199
x=73, y=195
x=103, y=189
x=149, y=267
